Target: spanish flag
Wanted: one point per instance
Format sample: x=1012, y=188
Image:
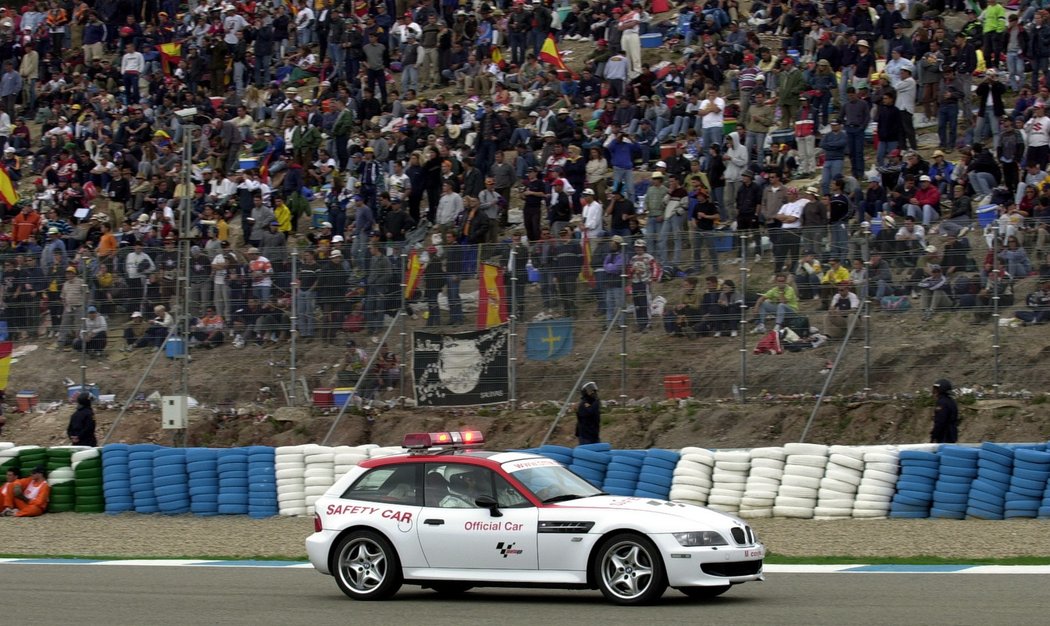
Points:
x=549, y=53
x=8, y=195
x=492, y=304
x=170, y=55
x=497, y=56
x=5, y=363
x=413, y=272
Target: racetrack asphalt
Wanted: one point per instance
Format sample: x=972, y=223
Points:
x=117, y=595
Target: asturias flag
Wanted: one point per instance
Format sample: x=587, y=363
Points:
x=548, y=340
x=549, y=53
x=492, y=303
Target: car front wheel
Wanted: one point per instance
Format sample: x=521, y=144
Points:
x=366, y=566
x=704, y=593
x=629, y=570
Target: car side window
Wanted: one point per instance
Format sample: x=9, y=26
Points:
x=455, y=485
x=391, y=485
x=507, y=495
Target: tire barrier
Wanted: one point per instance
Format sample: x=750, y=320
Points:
x=116, y=479
x=87, y=480
x=992, y=481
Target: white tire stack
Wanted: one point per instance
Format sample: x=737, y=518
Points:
x=348, y=457
x=878, y=483
x=804, y=468
x=728, y=478
x=763, y=482
x=289, y=467
x=838, y=488
x=692, y=476
x=384, y=451
x=318, y=475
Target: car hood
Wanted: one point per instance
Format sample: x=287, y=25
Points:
x=654, y=506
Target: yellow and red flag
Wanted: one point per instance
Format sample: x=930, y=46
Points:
x=497, y=57
x=549, y=53
x=5, y=363
x=8, y=194
x=170, y=55
x=413, y=272
x=587, y=272
x=492, y=303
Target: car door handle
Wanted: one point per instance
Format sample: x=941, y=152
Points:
x=434, y=522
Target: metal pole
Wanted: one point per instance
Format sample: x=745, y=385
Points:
x=586, y=368
x=512, y=267
x=404, y=322
x=622, y=317
x=138, y=385
x=866, y=303
x=830, y=376
x=361, y=378
x=996, y=276
x=742, y=387
x=294, y=318
x=83, y=322
x=183, y=282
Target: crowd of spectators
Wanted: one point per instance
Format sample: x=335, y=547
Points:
x=348, y=139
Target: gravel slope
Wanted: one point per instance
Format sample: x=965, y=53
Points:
x=187, y=536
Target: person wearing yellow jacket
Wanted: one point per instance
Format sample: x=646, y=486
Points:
x=835, y=274
x=993, y=27
x=27, y=497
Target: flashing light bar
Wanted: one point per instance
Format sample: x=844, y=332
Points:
x=463, y=438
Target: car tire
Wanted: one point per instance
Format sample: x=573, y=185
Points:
x=629, y=571
x=366, y=566
x=704, y=593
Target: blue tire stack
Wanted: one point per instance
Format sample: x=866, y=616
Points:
x=988, y=493
x=951, y=492
x=233, y=482
x=262, y=482
x=560, y=454
x=621, y=475
x=116, y=479
x=590, y=462
x=140, y=472
x=919, y=472
x=657, y=473
x=170, y=481
x=1028, y=481
x=202, y=467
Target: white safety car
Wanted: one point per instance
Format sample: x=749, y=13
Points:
x=450, y=518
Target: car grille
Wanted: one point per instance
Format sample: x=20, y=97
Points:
x=743, y=536
x=738, y=568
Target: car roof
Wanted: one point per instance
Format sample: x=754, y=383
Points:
x=486, y=458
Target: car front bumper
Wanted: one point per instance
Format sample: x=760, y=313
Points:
x=318, y=546
x=709, y=566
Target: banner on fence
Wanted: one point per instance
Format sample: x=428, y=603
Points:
x=461, y=369
x=548, y=340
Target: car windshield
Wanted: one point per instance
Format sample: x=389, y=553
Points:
x=554, y=483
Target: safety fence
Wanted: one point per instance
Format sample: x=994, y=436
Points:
x=990, y=481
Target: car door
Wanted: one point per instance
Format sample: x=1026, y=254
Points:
x=455, y=533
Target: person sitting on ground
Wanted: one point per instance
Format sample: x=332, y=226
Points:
x=208, y=332
x=880, y=276
x=808, y=275
x=843, y=304
x=29, y=496
x=956, y=257
x=911, y=241
x=836, y=274
x=780, y=301
x=159, y=327
x=1039, y=303
x=95, y=332
x=935, y=292
x=997, y=282
x=684, y=316
x=134, y=331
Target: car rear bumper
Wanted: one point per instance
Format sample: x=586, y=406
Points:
x=318, y=546
x=704, y=567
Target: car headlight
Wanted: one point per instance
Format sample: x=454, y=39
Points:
x=700, y=538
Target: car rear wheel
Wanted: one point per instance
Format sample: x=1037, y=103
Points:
x=629, y=570
x=366, y=566
x=704, y=593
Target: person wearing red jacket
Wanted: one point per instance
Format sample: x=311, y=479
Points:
x=925, y=204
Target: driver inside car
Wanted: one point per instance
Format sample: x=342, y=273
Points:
x=464, y=488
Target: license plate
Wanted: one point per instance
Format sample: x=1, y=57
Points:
x=754, y=553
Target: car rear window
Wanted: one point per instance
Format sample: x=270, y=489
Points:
x=392, y=485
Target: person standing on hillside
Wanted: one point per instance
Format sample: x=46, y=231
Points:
x=81, y=429
x=588, y=414
x=945, y=414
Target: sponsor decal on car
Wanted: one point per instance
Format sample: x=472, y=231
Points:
x=508, y=549
x=517, y=466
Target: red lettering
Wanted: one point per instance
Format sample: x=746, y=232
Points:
x=331, y=509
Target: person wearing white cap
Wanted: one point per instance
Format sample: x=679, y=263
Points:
x=592, y=218
x=1037, y=134
x=906, y=90
x=925, y=203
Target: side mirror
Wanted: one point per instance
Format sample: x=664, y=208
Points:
x=488, y=502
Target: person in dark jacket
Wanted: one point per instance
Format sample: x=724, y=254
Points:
x=567, y=265
x=81, y=429
x=888, y=120
x=988, y=119
x=588, y=414
x=945, y=414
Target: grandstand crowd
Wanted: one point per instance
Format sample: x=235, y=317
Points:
x=858, y=149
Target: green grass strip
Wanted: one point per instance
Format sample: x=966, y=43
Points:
x=780, y=559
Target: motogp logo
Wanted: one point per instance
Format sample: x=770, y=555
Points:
x=508, y=549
